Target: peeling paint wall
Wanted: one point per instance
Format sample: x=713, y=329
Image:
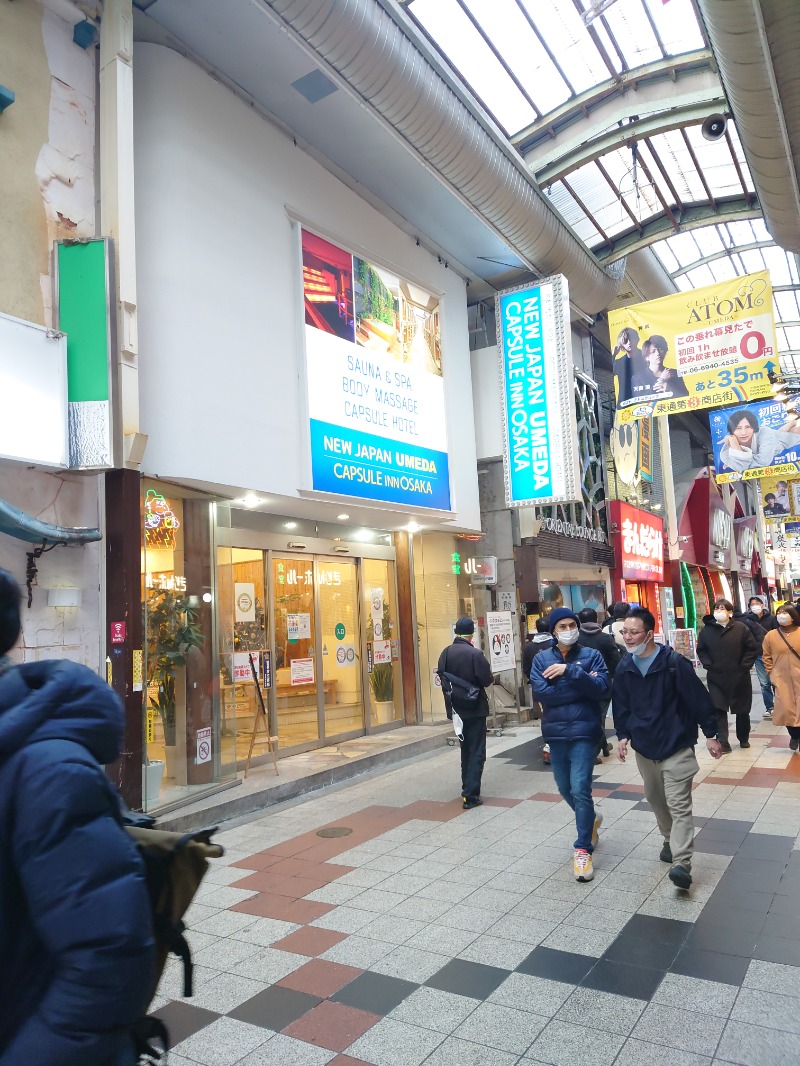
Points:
x=46, y=149
x=69, y=500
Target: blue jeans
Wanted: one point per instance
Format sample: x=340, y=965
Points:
x=766, y=687
x=572, y=762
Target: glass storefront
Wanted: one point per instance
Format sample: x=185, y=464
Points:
x=185, y=630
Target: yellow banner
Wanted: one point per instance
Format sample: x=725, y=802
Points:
x=708, y=347
x=780, y=497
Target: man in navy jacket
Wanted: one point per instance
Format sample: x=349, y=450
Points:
x=570, y=682
x=658, y=704
x=77, y=955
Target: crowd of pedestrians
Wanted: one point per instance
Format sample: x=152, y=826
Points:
x=578, y=670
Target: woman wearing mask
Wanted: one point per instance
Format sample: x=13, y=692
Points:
x=727, y=649
x=781, y=655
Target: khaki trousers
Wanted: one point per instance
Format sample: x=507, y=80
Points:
x=668, y=790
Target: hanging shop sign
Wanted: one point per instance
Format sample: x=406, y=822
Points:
x=646, y=449
x=779, y=497
x=500, y=639
x=482, y=571
x=754, y=442
x=573, y=529
x=537, y=385
x=640, y=542
x=374, y=376
x=704, y=348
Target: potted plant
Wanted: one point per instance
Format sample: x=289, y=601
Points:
x=171, y=627
x=381, y=683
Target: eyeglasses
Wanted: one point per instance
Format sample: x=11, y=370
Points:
x=633, y=633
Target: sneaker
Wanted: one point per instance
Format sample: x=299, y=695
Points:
x=793, y=743
x=471, y=804
x=726, y=748
x=598, y=821
x=666, y=853
x=582, y=865
x=768, y=715
x=546, y=754
x=680, y=877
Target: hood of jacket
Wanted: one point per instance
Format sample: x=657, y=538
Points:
x=59, y=700
x=543, y=638
x=591, y=627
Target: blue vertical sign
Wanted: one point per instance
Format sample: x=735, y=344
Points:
x=540, y=431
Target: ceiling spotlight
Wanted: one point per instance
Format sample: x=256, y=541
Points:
x=290, y=525
x=251, y=500
x=413, y=527
x=343, y=517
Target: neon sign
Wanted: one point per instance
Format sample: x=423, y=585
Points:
x=160, y=521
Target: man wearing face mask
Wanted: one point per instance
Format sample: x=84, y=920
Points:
x=759, y=614
x=570, y=681
x=658, y=702
x=727, y=650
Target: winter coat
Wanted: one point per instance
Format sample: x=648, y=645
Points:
x=754, y=626
x=784, y=673
x=593, y=637
x=767, y=621
x=727, y=653
x=528, y=652
x=659, y=713
x=77, y=956
x=470, y=664
x=571, y=702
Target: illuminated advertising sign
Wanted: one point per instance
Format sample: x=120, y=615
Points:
x=540, y=435
x=375, y=387
x=754, y=442
x=639, y=542
x=704, y=348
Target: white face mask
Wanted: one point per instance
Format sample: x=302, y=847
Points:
x=757, y=608
x=641, y=649
x=568, y=636
x=721, y=616
x=784, y=619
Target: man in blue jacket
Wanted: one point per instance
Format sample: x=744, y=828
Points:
x=658, y=703
x=570, y=682
x=77, y=955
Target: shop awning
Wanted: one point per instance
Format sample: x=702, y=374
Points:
x=16, y=523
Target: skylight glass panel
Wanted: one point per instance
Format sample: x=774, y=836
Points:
x=753, y=261
x=786, y=307
x=668, y=258
x=742, y=233
x=708, y=240
x=677, y=26
x=633, y=32
x=701, y=275
x=758, y=228
x=778, y=266
x=723, y=269
x=684, y=249
x=714, y=159
x=471, y=56
x=792, y=334
x=675, y=156
x=568, y=39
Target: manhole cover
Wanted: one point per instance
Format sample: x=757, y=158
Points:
x=335, y=831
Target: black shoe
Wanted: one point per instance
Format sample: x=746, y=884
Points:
x=666, y=853
x=744, y=743
x=680, y=877
x=726, y=748
x=794, y=742
x=470, y=804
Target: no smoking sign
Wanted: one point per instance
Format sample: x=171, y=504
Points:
x=203, y=745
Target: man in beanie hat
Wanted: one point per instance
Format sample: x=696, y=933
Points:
x=570, y=682
x=461, y=660
x=76, y=942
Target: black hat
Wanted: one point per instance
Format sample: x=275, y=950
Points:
x=10, y=623
x=465, y=626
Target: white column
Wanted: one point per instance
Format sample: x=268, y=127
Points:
x=668, y=482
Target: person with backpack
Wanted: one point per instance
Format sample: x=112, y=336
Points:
x=781, y=653
x=613, y=624
x=77, y=950
x=465, y=674
x=570, y=681
x=658, y=702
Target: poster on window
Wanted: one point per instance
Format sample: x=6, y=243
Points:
x=378, y=424
x=708, y=347
x=754, y=441
x=245, y=599
x=242, y=674
x=500, y=638
x=381, y=651
x=302, y=671
x=376, y=613
x=298, y=626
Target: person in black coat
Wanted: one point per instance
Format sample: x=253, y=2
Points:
x=592, y=636
x=758, y=613
x=77, y=954
x=727, y=649
x=471, y=665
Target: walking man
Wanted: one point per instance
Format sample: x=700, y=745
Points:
x=727, y=649
x=592, y=636
x=462, y=660
x=570, y=681
x=757, y=611
x=658, y=704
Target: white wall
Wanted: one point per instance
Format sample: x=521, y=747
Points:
x=220, y=300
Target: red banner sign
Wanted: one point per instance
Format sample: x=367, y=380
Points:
x=639, y=544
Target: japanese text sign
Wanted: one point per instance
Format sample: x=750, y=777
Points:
x=640, y=542
x=755, y=441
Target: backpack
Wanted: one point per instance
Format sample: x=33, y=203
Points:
x=174, y=866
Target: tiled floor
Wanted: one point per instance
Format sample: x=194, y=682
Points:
x=426, y=934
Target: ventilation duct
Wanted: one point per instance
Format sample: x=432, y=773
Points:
x=757, y=47
x=362, y=43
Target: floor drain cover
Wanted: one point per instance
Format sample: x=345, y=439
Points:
x=335, y=831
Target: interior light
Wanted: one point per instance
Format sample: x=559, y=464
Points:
x=365, y=534
x=343, y=517
x=206, y=597
x=413, y=527
x=290, y=525
x=251, y=500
